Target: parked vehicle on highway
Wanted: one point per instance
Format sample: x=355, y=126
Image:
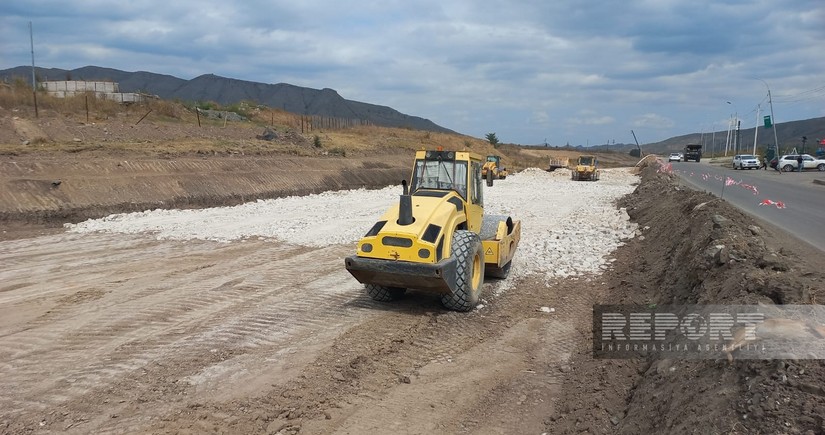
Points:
x=674, y=157
x=746, y=161
x=789, y=162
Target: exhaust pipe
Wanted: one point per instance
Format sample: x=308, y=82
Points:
x=405, y=216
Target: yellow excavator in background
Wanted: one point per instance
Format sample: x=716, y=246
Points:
x=437, y=238
x=585, y=169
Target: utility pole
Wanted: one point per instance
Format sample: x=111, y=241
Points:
x=738, y=137
x=773, y=119
x=727, y=138
x=756, y=126
x=734, y=139
x=31, y=40
x=34, y=81
x=713, y=140
x=773, y=122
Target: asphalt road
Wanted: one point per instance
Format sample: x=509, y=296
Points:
x=803, y=214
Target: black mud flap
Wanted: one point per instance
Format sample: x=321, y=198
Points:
x=435, y=277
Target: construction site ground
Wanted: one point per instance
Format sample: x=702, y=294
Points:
x=188, y=318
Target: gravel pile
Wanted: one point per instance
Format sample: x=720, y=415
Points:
x=568, y=228
x=318, y=220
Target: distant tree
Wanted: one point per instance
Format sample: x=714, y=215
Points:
x=634, y=153
x=491, y=137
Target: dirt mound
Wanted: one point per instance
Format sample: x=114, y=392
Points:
x=696, y=249
x=709, y=252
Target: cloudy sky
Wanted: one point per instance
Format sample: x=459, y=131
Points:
x=562, y=71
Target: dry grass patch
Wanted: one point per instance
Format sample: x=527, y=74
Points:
x=163, y=127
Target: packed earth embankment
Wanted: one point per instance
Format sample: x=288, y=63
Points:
x=66, y=188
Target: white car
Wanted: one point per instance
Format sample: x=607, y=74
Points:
x=746, y=161
x=790, y=163
x=674, y=157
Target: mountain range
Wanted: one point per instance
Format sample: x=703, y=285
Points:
x=211, y=88
x=328, y=103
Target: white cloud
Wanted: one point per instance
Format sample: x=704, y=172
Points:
x=589, y=117
x=652, y=120
x=541, y=118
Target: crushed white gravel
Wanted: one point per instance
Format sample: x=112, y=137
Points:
x=568, y=228
x=318, y=220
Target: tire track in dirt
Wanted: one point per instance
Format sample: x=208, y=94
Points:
x=263, y=299
x=505, y=367
x=524, y=361
x=371, y=365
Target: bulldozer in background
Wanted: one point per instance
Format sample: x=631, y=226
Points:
x=585, y=169
x=493, y=169
x=437, y=238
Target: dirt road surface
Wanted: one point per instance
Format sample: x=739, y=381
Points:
x=213, y=321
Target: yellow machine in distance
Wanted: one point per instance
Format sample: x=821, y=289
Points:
x=437, y=238
x=493, y=169
x=585, y=169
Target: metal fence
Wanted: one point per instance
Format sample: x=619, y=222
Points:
x=310, y=123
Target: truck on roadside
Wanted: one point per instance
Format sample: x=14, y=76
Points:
x=693, y=152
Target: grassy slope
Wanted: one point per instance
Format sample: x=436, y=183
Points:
x=167, y=128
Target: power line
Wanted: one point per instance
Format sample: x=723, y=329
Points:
x=807, y=95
